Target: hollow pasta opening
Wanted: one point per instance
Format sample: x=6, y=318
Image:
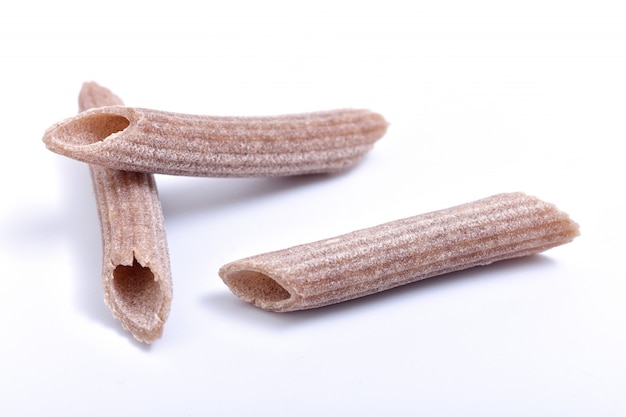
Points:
x=256, y=286
x=135, y=290
x=95, y=128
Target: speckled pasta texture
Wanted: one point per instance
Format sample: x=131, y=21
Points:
x=136, y=273
x=144, y=140
x=400, y=252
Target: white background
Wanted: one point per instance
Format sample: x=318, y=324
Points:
x=482, y=96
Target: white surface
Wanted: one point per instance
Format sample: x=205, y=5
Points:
x=483, y=97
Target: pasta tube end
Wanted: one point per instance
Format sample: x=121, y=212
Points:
x=72, y=137
x=256, y=287
x=139, y=299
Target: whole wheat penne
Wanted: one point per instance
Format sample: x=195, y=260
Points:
x=136, y=274
x=145, y=140
x=400, y=252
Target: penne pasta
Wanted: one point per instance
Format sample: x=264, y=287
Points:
x=145, y=140
x=400, y=252
x=136, y=273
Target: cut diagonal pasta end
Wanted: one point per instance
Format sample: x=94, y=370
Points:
x=257, y=287
x=89, y=128
x=139, y=299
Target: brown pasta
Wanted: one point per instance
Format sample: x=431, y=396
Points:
x=400, y=252
x=136, y=273
x=145, y=140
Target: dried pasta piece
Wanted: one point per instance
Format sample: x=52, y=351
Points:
x=144, y=140
x=136, y=274
x=400, y=252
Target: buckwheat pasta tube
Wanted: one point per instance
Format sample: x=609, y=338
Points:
x=145, y=140
x=397, y=253
x=136, y=273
